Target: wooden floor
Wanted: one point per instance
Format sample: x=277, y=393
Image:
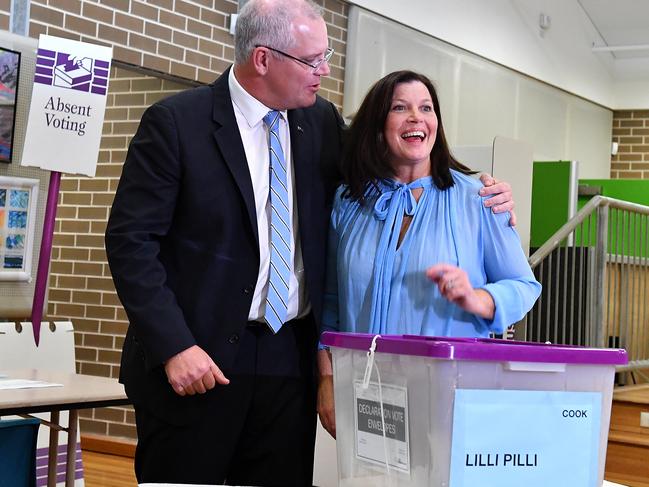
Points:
x=627, y=456
x=102, y=470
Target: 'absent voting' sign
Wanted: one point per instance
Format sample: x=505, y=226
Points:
x=509, y=438
x=67, y=107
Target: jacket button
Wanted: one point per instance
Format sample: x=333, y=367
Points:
x=248, y=289
x=234, y=338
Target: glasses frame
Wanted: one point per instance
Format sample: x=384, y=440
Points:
x=327, y=56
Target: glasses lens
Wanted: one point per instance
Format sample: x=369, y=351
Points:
x=329, y=52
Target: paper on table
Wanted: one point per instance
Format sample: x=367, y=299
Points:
x=25, y=384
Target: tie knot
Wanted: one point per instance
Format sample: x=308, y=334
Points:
x=272, y=119
x=401, y=195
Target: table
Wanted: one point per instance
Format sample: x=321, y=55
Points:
x=78, y=392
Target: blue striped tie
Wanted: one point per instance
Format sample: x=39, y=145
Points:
x=280, y=228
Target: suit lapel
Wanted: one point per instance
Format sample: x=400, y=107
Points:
x=302, y=146
x=229, y=142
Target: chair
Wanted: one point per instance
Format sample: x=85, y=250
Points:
x=18, y=452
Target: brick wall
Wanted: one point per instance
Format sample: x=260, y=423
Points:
x=631, y=132
x=5, y=7
x=81, y=288
x=186, y=38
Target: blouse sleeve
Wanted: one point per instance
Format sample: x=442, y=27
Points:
x=510, y=280
x=330, y=321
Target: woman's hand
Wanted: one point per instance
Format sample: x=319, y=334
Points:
x=326, y=392
x=454, y=285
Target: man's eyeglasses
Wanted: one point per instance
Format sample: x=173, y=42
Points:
x=314, y=65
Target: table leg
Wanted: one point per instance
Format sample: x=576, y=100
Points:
x=71, y=462
x=52, y=455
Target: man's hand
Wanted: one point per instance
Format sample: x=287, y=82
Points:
x=193, y=371
x=503, y=200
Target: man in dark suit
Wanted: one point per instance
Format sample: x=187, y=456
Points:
x=219, y=396
x=188, y=246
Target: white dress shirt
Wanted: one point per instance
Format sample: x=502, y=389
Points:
x=249, y=113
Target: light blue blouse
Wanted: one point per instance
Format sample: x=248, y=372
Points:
x=374, y=287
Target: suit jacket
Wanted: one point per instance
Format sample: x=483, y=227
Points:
x=182, y=239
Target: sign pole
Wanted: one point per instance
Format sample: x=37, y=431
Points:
x=45, y=254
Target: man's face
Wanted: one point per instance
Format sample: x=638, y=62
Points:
x=291, y=83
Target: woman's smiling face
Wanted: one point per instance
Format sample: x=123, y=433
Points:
x=410, y=130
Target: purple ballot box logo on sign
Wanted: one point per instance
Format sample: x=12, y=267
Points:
x=71, y=71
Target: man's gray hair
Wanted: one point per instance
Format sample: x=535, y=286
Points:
x=268, y=23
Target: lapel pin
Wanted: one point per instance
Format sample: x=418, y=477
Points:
x=299, y=129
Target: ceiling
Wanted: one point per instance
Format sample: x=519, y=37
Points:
x=623, y=26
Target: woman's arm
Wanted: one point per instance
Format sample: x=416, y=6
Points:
x=510, y=280
x=326, y=392
x=487, y=239
x=330, y=322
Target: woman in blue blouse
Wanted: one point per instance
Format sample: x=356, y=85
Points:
x=412, y=249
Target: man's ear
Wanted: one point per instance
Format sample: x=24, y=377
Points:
x=260, y=59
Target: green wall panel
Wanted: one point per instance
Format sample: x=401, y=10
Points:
x=550, y=198
x=628, y=233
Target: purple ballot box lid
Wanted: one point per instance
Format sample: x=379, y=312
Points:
x=447, y=348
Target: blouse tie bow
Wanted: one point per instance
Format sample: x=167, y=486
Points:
x=401, y=195
x=395, y=201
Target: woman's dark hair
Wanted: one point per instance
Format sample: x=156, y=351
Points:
x=366, y=155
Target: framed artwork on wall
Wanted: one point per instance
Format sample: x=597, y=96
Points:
x=9, y=76
x=18, y=197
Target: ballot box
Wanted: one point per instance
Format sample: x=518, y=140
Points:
x=468, y=412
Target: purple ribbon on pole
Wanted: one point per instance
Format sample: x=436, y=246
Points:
x=45, y=254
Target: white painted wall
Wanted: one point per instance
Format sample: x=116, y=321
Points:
x=479, y=99
x=507, y=32
x=510, y=160
x=631, y=84
x=631, y=95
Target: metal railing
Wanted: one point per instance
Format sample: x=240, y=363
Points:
x=595, y=276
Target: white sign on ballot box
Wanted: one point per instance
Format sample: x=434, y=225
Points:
x=381, y=425
x=562, y=429
x=66, y=114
